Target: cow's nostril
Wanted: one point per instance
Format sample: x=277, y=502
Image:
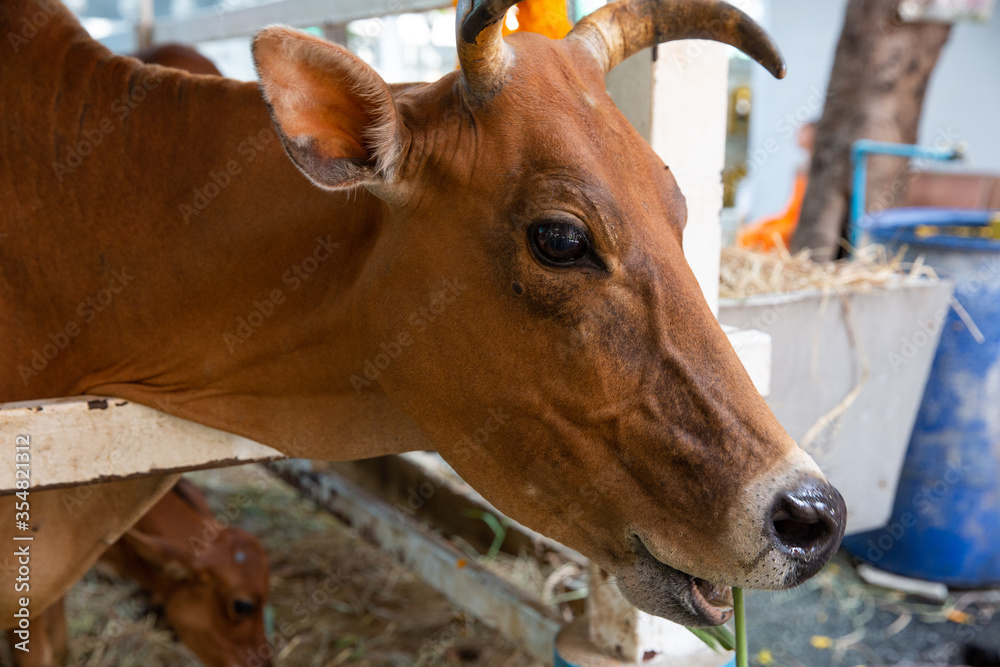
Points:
x=796, y=534
x=809, y=518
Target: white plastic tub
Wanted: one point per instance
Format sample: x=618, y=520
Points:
x=815, y=364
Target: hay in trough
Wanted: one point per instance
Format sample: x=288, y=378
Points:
x=744, y=273
x=110, y=622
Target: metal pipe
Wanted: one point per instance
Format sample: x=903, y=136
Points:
x=861, y=149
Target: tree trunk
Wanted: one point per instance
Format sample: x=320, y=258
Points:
x=880, y=74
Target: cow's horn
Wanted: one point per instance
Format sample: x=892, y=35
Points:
x=617, y=30
x=482, y=53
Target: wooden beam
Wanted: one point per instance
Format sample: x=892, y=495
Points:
x=87, y=439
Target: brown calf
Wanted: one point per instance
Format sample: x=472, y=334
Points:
x=210, y=580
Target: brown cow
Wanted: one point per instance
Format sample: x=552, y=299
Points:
x=464, y=235
x=211, y=580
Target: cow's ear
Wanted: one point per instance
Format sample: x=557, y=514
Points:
x=336, y=116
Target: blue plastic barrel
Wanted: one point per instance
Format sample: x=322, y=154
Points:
x=945, y=524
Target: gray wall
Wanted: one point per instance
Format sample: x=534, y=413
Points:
x=963, y=101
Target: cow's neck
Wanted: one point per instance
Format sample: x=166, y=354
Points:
x=182, y=262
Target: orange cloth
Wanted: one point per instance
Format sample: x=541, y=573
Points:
x=546, y=17
x=761, y=235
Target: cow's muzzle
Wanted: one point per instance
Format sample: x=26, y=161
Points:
x=776, y=544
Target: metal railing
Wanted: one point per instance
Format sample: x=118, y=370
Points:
x=224, y=21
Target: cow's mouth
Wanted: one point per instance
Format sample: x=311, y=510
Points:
x=655, y=587
x=713, y=600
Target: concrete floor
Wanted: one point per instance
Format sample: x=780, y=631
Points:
x=836, y=619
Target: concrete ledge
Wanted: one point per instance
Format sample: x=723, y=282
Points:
x=754, y=350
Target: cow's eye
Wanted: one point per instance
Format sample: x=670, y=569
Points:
x=558, y=243
x=244, y=607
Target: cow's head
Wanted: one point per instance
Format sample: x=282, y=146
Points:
x=527, y=292
x=214, y=595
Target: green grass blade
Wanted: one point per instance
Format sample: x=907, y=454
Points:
x=705, y=637
x=715, y=638
x=742, y=658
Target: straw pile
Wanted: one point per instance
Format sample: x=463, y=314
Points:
x=745, y=273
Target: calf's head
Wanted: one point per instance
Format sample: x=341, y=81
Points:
x=527, y=286
x=213, y=596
